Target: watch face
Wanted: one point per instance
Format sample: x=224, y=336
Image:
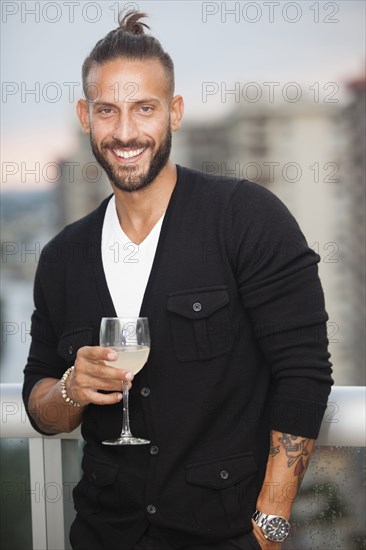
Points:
x=276, y=529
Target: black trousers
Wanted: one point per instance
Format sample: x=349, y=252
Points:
x=154, y=540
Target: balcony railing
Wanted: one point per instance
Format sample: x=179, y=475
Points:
x=344, y=424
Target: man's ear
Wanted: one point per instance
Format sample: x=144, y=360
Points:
x=83, y=114
x=176, y=112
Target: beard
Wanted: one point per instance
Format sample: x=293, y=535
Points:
x=127, y=177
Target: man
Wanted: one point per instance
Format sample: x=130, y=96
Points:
x=238, y=375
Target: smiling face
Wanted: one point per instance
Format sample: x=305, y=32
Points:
x=130, y=115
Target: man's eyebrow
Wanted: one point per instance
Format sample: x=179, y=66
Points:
x=102, y=103
x=137, y=101
x=146, y=100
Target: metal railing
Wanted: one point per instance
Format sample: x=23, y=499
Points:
x=344, y=424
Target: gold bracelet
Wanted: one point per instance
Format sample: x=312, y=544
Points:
x=68, y=399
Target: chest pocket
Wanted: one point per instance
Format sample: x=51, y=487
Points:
x=200, y=326
x=73, y=339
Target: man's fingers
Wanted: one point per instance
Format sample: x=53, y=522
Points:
x=90, y=361
x=104, y=399
x=95, y=379
x=107, y=372
x=96, y=353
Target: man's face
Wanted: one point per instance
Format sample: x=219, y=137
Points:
x=129, y=121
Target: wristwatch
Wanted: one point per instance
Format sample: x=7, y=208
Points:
x=275, y=528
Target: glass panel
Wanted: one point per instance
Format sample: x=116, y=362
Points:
x=16, y=514
x=72, y=451
x=329, y=511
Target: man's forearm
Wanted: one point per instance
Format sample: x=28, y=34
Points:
x=288, y=460
x=50, y=411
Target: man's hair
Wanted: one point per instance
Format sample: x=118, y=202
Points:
x=129, y=41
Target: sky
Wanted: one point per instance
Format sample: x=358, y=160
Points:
x=215, y=47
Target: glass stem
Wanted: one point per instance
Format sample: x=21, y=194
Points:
x=126, y=432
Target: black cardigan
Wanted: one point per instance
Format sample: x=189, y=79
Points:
x=252, y=357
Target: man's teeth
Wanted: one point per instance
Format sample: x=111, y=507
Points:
x=128, y=154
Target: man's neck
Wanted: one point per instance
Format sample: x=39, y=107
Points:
x=138, y=212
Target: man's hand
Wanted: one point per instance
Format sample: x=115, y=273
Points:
x=263, y=542
x=51, y=412
x=91, y=374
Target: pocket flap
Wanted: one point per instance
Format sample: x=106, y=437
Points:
x=72, y=340
x=223, y=472
x=198, y=303
x=99, y=473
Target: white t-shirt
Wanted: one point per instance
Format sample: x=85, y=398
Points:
x=126, y=265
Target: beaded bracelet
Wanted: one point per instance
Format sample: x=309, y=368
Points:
x=63, y=388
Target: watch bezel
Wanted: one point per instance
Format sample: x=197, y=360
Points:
x=268, y=523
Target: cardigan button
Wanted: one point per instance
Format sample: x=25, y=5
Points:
x=154, y=450
x=71, y=350
x=151, y=509
x=197, y=306
x=145, y=392
x=224, y=474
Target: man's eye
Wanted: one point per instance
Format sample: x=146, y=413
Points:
x=106, y=111
x=146, y=109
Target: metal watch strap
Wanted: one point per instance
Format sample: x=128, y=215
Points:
x=261, y=519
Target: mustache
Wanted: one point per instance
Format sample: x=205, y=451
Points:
x=132, y=144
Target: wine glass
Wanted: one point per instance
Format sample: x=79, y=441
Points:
x=129, y=337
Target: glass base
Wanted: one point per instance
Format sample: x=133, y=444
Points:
x=127, y=440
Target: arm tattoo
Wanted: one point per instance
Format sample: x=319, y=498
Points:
x=297, y=454
x=273, y=451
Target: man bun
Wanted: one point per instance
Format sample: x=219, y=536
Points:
x=130, y=23
x=129, y=41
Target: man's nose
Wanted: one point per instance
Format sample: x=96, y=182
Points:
x=126, y=128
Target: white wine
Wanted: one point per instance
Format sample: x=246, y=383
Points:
x=131, y=358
